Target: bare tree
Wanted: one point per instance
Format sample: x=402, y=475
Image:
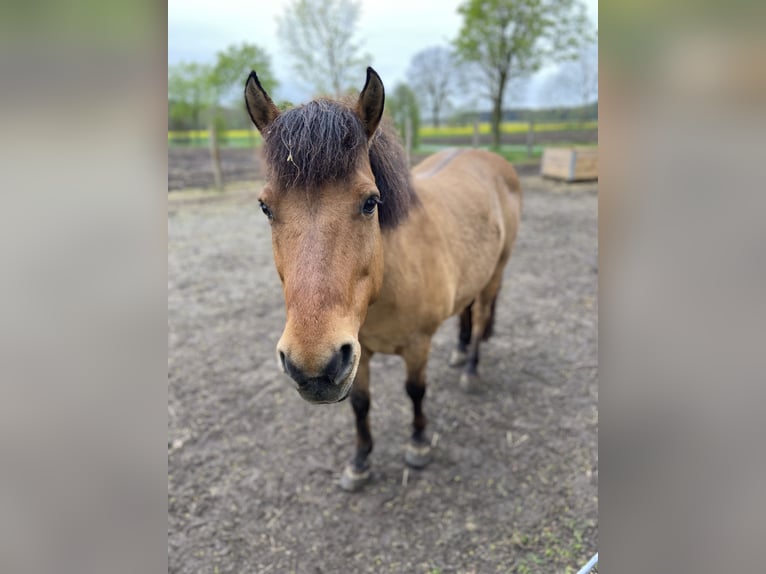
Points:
x=575, y=82
x=431, y=73
x=319, y=35
x=586, y=74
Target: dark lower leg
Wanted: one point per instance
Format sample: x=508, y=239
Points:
x=416, y=389
x=416, y=358
x=472, y=363
x=464, y=337
x=480, y=316
x=360, y=401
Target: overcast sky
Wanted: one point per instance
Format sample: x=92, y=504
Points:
x=392, y=31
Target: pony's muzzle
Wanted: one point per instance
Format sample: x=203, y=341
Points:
x=328, y=384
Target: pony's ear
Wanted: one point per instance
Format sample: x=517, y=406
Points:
x=370, y=105
x=259, y=105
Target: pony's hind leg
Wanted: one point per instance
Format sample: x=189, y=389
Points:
x=357, y=472
x=482, y=315
x=460, y=353
x=418, y=453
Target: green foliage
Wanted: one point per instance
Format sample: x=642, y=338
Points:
x=198, y=92
x=188, y=94
x=232, y=67
x=197, y=89
x=403, y=104
x=505, y=37
x=318, y=34
x=501, y=35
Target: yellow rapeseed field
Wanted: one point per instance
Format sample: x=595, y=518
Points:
x=426, y=132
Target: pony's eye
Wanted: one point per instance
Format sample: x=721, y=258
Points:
x=370, y=204
x=266, y=211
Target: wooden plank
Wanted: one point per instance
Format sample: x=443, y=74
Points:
x=586, y=165
x=570, y=164
x=557, y=163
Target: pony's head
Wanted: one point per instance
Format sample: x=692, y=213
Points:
x=335, y=183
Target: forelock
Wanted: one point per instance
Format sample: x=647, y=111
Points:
x=314, y=144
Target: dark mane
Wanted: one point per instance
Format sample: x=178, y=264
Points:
x=322, y=142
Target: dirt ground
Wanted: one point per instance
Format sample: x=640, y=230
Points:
x=192, y=167
x=252, y=468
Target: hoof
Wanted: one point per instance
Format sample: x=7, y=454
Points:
x=417, y=455
x=457, y=358
x=470, y=383
x=352, y=480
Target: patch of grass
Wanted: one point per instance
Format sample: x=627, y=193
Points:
x=560, y=547
x=201, y=138
x=513, y=153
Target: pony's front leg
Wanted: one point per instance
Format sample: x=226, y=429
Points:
x=357, y=472
x=418, y=453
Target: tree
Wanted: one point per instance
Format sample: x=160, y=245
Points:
x=318, y=34
x=581, y=75
x=575, y=83
x=232, y=67
x=196, y=88
x=402, y=106
x=516, y=37
x=431, y=74
x=226, y=80
x=188, y=93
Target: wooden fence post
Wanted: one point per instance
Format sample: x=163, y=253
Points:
x=215, y=156
x=530, y=138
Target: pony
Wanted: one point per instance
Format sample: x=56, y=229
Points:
x=374, y=258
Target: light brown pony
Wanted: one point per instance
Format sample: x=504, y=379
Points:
x=373, y=259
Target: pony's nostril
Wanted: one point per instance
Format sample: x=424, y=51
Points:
x=292, y=370
x=346, y=351
x=339, y=363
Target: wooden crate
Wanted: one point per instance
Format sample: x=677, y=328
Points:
x=570, y=164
